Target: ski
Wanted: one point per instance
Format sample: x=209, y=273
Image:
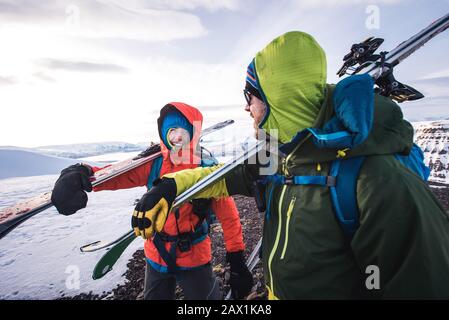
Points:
x=12, y=217
x=119, y=245
x=106, y=262
x=362, y=59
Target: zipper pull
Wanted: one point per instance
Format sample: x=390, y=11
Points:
x=290, y=207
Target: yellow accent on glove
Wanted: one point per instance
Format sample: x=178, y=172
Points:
x=151, y=221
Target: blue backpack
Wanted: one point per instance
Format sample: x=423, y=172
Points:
x=353, y=101
x=342, y=181
x=343, y=191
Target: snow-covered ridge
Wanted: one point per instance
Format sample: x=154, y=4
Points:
x=24, y=163
x=433, y=138
x=82, y=150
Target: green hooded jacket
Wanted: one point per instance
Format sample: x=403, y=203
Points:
x=403, y=232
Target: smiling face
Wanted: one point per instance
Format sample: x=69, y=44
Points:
x=257, y=110
x=178, y=137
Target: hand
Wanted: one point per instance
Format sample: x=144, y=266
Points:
x=68, y=195
x=152, y=210
x=241, y=279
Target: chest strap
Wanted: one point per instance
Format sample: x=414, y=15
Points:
x=342, y=183
x=328, y=181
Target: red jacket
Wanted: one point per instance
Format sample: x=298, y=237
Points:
x=224, y=208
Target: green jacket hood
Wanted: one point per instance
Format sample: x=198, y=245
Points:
x=291, y=71
x=385, y=130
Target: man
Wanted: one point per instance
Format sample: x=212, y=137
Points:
x=398, y=245
x=181, y=251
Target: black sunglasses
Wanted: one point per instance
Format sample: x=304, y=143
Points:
x=247, y=95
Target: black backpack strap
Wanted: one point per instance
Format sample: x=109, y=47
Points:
x=183, y=241
x=169, y=256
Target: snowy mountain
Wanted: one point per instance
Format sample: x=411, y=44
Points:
x=83, y=150
x=433, y=139
x=22, y=163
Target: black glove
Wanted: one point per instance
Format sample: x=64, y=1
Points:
x=241, y=279
x=152, y=210
x=69, y=194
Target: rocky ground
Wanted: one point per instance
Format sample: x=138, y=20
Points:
x=252, y=228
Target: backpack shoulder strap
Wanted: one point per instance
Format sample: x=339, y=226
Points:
x=344, y=192
x=414, y=161
x=155, y=171
x=207, y=159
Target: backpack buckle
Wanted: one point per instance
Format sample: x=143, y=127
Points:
x=184, y=242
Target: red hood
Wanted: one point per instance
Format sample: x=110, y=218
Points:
x=190, y=158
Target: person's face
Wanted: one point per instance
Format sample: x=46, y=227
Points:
x=178, y=137
x=256, y=109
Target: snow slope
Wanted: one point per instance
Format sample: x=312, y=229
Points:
x=110, y=157
x=41, y=259
x=83, y=150
x=20, y=163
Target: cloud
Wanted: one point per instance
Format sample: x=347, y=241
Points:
x=436, y=81
x=425, y=109
x=437, y=74
x=44, y=77
x=99, y=19
x=81, y=66
x=341, y=3
x=196, y=82
x=209, y=5
x=433, y=85
x=7, y=81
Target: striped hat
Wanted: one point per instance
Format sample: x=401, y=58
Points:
x=252, y=85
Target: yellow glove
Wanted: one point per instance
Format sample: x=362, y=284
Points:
x=152, y=210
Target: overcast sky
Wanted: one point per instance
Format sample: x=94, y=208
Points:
x=97, y=70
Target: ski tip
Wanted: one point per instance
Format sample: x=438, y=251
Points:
x=98, y=274
x=90, y=247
